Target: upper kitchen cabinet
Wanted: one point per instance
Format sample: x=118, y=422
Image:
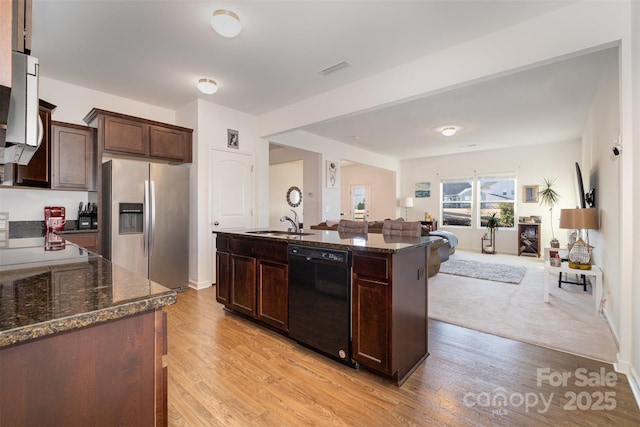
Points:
x=21, y=25
x=141, y=138
x=38, y=172
x=73, y=161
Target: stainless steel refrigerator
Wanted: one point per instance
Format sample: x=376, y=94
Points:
x=145, y=219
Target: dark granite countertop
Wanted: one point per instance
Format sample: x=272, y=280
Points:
x=44, y=292
x=372, y=242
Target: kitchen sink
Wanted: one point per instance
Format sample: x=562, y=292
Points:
x=278, y=233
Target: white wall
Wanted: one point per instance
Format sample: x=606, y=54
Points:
x=383, y=190
x=530, y=164
x=28, y=205
x=211, y=134
x=601, y=170
x=73, y=103
x=634, y=159
x=329, y=198
x=283, y=176
x=311, y=208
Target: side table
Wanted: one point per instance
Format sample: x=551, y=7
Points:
x=564, y=268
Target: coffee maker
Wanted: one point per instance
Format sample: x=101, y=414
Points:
x=54, y=218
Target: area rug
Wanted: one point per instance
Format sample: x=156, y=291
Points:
x=484, y=270
x=568, y=322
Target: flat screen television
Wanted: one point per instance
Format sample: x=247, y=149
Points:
x=585, y=198
x=583, y=202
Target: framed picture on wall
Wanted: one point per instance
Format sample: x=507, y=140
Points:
x=530, y=194
x=233, y=138
x=332, y=174
x=423, y=189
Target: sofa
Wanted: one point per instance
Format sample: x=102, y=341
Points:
x=451, y=239
x=444, y=249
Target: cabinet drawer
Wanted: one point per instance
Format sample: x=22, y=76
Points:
x=371, y=264
x=271, y=251
x=222, y=244
x=241, y=247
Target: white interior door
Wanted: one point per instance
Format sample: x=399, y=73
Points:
x=231, y=190
x=230, y=194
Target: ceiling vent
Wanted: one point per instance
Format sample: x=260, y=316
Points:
x=334, y=68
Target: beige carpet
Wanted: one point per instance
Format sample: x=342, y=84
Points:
x=569, y=322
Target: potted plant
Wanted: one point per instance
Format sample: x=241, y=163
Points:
x=550, y=197
x=493, y=223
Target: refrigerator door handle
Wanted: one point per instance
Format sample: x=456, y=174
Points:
x=147, y=219
x=152, y=233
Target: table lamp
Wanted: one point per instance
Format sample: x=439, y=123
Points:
x=580, y=219
x=406, y=203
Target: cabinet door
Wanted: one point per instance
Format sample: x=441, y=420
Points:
x=38, y=173
x=273, y=294
x=169, y=143
x=222, y=277
x=242, y=292
x=73, y=162
x=371, y=324
x=126, y=136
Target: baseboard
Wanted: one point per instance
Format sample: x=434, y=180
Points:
x=199, y=285
x=605, y=313
x=634, y=382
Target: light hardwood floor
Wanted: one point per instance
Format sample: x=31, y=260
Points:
x=227, y=371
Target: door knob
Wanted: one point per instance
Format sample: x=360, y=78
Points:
x=216, y=223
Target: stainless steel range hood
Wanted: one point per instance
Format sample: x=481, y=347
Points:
x=24, y=127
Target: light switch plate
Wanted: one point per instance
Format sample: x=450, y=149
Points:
x=4, y=221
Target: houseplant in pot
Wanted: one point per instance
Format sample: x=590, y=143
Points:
x=549, y=197
x=493, y=223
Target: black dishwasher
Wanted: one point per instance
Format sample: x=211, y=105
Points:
x=320, y=300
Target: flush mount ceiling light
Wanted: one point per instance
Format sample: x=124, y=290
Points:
x=449, y=131
x=207, y=86
x=226, y=23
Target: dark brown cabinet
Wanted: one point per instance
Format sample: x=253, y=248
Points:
x=389, y=311
x=273, y=294
x=110, y=373
x=38, y=172
x=223, y=273
x=65, y=160
x=73, y=161
x=529, y=239
x=89, y=241
x=252, y=278
x=132, y=136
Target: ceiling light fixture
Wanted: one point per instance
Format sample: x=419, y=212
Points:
x=207, y=86
x=449, y=131
x=226, y=23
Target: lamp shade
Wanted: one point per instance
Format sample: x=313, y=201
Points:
x=579, y=219
x=406, y=202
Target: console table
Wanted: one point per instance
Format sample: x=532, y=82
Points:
x=564, y=268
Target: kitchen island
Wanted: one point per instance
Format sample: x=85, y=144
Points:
x=388, y=289
x=81, y=339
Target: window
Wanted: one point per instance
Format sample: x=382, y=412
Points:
x=457, y=199
x=497, y=195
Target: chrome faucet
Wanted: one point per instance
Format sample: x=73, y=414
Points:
x=293, y=221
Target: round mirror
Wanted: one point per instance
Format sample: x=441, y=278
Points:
x=294, y=197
